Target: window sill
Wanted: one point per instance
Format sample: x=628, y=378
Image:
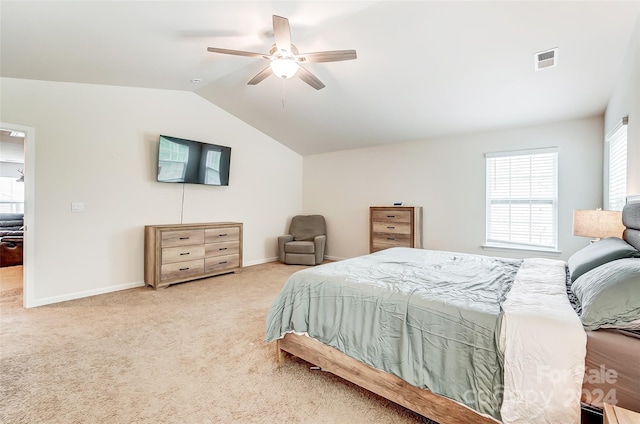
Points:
x=511, y=248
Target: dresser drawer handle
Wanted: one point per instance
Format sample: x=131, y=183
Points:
x=222, y=263
x=222, y=235
x=390, y=238
x=184, y=238
x=223, y=248
x=184, y=269
x=391, y=216
x=391, y=228
x=186, y=253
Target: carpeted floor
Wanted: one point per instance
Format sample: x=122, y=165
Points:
x=191, y=353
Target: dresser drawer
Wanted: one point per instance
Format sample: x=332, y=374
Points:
x=222, y=248
x=391, y=216
x=182, y=253
x=181, y=269
x=219, y=263
x=384, y=241
x=391, y=227
x=182, y=238
x=214, y=235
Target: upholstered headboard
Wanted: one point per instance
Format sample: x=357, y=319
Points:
x=631, y=220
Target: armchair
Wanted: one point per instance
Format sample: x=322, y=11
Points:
x=306, y=242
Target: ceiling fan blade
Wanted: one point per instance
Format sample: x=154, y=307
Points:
x=282, y=33
x=331, y=56
x=261, y=76
x=309, y=78
x=234, y=52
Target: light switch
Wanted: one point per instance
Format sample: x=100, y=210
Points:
x=77, y=206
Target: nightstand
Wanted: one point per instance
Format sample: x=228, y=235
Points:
x=616, y=415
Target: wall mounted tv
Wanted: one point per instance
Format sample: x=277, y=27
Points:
x=194, y=162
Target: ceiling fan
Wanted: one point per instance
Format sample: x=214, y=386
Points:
x=285, y=60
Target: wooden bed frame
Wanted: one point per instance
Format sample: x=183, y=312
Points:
x=422, y=401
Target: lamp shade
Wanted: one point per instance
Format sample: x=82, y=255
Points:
x=284, y=68
x=597, y=223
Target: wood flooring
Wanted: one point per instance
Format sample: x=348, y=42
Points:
x=10, y=278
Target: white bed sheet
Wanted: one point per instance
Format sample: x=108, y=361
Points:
x=544, y=347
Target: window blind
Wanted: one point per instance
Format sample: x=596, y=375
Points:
x=617, y=142
x=522, y=199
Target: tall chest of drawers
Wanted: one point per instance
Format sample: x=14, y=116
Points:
x=394, y=226
x=184, y=252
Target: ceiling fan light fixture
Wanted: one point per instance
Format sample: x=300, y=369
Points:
x=284, y=68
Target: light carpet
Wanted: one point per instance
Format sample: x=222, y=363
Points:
x=190, y=353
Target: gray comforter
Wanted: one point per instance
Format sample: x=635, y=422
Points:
x=431, y=318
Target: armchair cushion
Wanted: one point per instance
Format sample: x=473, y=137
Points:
x=299, y=247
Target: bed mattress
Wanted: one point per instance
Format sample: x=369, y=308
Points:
x=612, y=371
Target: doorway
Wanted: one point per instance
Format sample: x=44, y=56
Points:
x=17, y=161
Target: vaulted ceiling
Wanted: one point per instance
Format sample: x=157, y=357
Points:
x=425, y=69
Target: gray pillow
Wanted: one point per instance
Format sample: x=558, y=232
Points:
x=610, y=295
x=598, y=253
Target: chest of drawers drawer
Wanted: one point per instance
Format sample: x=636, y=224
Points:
x=182, y=253
x=391, y=216
x=182, y=238
x=221, y=263
x=216, y=235
x=392, y=227
x=222, y=248
x=381, y=242
x=183, y=269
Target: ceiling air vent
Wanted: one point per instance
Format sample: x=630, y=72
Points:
x=545, y=59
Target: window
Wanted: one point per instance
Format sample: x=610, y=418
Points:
x=616, y=142
x=11, y=195
x=522, y=200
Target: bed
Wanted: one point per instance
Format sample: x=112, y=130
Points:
x=455, y=337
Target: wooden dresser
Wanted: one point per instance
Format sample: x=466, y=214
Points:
x=393, y=226
x=184, y=252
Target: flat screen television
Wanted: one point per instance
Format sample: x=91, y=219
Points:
x=194, y=162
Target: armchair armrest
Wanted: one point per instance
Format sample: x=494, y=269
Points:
x=281, y=242
x=320, y=245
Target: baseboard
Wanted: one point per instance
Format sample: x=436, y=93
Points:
x=276, y=259
x=87, y=293
x=260, y=261
x=110, y=289
x=335, y=258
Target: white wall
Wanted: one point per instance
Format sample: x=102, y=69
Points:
x=447, y=178
x=98, y=145
x=625, y=101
